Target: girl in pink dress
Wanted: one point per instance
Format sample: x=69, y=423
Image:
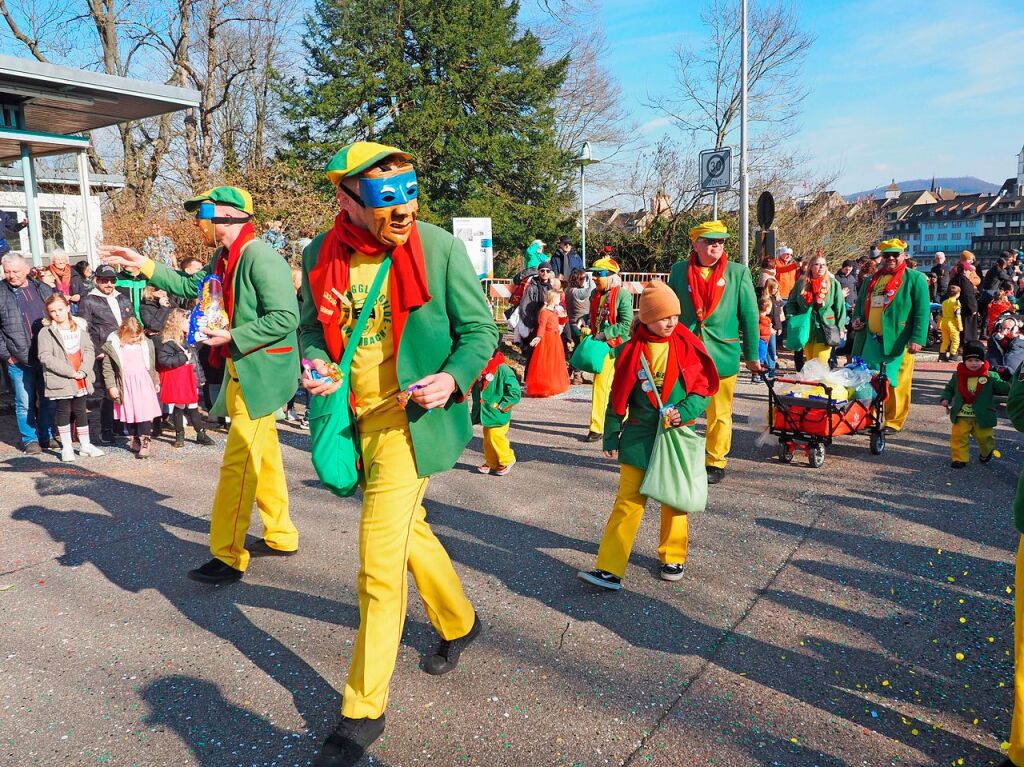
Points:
x=129, y=373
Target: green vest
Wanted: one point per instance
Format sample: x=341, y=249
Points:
x=452, y=333
x=493, y=406
x=832, y=313
x=736, y=314
x=263, y=347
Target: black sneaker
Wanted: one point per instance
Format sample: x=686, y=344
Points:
x=106, y=440
x=32, y=448
x=215, y=572
x=715, y=475
x=202, y=438
x=448, y=651
x=593, y=436
x=601, y=578
x=985, y=458
x=671, y=572
x=263, y=549
x=346, y=745
x=44, y=443
x=958, y=464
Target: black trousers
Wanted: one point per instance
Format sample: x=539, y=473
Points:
x=62, y=414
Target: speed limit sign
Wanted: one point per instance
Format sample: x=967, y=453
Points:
x=716, y=169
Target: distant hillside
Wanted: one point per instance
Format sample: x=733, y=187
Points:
x=962, y=184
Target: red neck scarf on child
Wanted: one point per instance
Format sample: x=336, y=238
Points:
x=816, y=290
x=492, y=367
x=963, y=374
x=687, y=359
x=892, y=287
x=706, y=294
x=407, y=281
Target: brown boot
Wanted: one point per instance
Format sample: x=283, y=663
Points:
x=144, y=447
x=135, y=444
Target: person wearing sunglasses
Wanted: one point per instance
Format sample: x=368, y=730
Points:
x=611, y=318
x=719, y=305
x=533, y=301
x=891, y=320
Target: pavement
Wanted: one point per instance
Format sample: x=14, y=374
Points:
x=857, y=614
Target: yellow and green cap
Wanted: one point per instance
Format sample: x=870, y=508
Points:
x=709, y=230
x=894, y=245
x=357, y=157
x=223, y=195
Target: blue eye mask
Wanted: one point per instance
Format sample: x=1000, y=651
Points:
x=390, y=191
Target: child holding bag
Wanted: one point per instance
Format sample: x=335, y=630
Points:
x=685, y=373
x=66, y=355
x=129, y=373
x=179, y=385
x=495, y=392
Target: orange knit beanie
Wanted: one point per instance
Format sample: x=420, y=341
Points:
x=657, y=302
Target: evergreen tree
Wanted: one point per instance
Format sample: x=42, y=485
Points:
x=458, y=85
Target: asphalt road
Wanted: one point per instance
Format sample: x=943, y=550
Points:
x=818, y=623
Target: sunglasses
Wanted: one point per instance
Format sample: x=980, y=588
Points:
x=544, y=271
x=709, y=242
x=602, y=273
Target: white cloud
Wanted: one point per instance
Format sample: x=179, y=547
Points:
x=655, y=124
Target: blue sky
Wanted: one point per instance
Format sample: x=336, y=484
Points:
x=897, y=89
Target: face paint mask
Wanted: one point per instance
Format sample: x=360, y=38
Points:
x=389, y=191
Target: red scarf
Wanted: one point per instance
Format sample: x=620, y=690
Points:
x=225, y=269
x=62, y=277
x=705, y=295
x=492, y=367
x=962, y=374
x=893, y=286
x=687, y=358
x=816, y=289
x=612, y=307
x=407, y=281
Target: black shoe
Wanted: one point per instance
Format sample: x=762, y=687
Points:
x=448, y=651
x=943, y=357
x=958, y=464
x=202, y=438
x=32, y=448
x=179, y=439
x=262, y=549
x=601, y=578
x=215, y=572
x=44, y=443
x=593, y=436
x=985, y=458
x=671, y=572
x=715, y=475
x=346, y=745
x=106, y=439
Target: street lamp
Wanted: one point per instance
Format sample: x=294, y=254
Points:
x=585, y=159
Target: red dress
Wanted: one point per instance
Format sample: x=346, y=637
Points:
x=548, y=374
x=179, y=386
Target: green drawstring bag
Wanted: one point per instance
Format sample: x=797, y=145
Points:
x=337, y=458
x=590, y=355
x=675, y=474
x=798, y=331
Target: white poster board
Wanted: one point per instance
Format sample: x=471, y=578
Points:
x=476, y=233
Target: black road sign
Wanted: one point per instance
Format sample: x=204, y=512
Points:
x=765, y=210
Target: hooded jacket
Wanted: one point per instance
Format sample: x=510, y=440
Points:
x=58, y=373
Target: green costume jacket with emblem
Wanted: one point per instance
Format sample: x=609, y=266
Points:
x=452, y=333
x=735, y=314
x=493, y=406
x=264, y=346
x=1015, y=410
x=984, y=406
x=633, y=435
x=905, y=320
x=623, y=317
x=832, y=312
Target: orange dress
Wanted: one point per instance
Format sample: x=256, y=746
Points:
x=548, y=374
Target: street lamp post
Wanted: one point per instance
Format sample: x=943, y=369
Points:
x=744, y=191
x=585, y=159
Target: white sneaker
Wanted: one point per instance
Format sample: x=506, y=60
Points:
x=289, y=415
x=67, y=452
x=90, y=451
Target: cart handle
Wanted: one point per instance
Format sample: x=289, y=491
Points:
x=803, y=381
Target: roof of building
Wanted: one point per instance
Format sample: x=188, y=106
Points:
x=964, y=206
x=97, y=181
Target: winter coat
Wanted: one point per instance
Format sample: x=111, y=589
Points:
x=112, y=363
x=533, y=300
x=984, y=405
x=16, y=340
x=832, y=313
x=492, y=407
x=171, y=355
x=154, y=316
x=1007, y=357
x=95, y=310
x=565, y=264
x=968, y=291
x=58, y=373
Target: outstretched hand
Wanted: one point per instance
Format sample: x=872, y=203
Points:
x=116, y=255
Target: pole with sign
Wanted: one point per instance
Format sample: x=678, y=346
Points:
x=716, y=172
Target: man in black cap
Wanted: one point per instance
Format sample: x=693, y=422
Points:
x=104, y=309
x=565, y=259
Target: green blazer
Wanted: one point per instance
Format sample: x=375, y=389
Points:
x=452, y=333
x=736, y=314
x=633, y=436
x=984, y=407
x=1015, y=410
x=493, y=406
x=832, y=313
x=905, y=321
x=263, y=347
x=623, y=317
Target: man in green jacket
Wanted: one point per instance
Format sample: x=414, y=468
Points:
x=891, y=318
x=429, y=336
x=718, y=305
x=259, y=350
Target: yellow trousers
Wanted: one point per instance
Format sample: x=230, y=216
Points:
x=897, y=407
x=960, y=439
x=620, y=532
x=394, y=537
x=497, y=450
x=719, y=431
x=1016, y=752
x=819, y=352
x=602, y=390
x=950, y=338
x=252, y=471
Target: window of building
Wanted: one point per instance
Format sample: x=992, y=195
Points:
x=53, y=229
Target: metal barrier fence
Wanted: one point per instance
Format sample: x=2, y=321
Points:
x=498, y=291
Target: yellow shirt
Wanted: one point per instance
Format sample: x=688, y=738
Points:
x=876, y=305
x=967, y=411
x=659, y=361
x=374, y=374
x=951, y=313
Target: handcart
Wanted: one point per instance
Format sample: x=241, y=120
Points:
x=810, y=423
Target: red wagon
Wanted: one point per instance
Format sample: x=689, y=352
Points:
x=809, y=424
